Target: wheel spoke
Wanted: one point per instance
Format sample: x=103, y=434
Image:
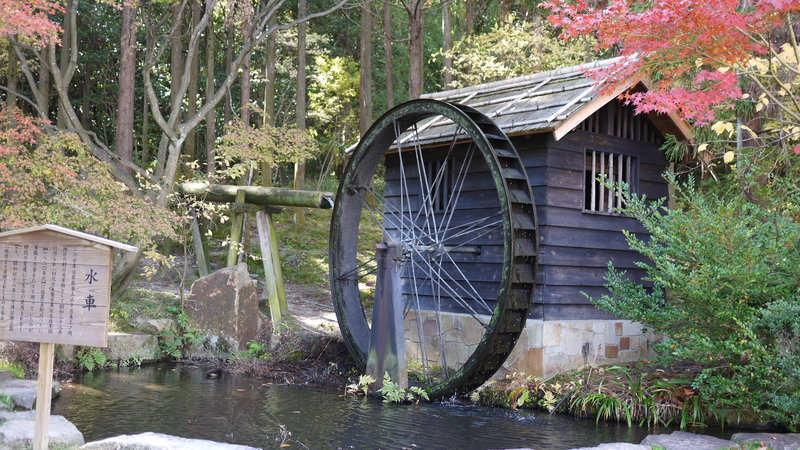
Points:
x=456, y=257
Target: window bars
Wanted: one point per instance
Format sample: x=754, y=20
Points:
x=610, y=168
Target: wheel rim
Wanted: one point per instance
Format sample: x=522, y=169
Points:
x=469, y=257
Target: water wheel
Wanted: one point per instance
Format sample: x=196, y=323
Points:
x=457, y=211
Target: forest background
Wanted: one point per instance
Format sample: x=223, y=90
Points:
x=106, y=105
x=150, y=89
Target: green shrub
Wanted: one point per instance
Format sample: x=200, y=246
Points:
x=725, y=272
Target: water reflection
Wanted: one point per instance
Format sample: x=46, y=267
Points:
x=180, y=400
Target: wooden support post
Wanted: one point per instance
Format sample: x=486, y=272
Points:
x=236, y=232
x=44, y=389
x=273, y=275
x=199, y=250
x=387, y=341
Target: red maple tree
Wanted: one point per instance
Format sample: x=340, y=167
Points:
x=30, y=19
x=692, y=51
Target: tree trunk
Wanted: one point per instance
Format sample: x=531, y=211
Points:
x=44, y=85
x=447, y=29
x=190, y=148
x=12, y=75
x=211, y=117
x=269, y=84
x=300, y=166
x=226, y=114
x=416, y=54
x=469, y=18
x=365, y=88
x=145, y=161
x=245, y=108
x=66, y=43
x=387, y=50
x=123, y=141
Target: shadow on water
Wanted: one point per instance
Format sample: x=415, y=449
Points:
x=179, y=400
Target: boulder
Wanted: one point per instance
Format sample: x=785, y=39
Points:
x=133, y=349
x=155, y=441
x=223, y=306
x=156, y=326
x=17, y=431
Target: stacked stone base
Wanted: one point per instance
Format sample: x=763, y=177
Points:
x=544, y=349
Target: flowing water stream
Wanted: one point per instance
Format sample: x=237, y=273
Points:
x=180, y=400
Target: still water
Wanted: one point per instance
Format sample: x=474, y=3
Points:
x=180, y=400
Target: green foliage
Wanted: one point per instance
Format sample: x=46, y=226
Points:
x=603, y=405
x=244, y=145
x=362, y=386
x=14, y=367
x=90, y=359
x=52, y=178
x=255, y=350
x=304, y=253
x=630, y=394
x=514, y=47
x=393, y=393
x=725, y=271
x=175, y=343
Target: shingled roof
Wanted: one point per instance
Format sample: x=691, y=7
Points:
x=554, y=101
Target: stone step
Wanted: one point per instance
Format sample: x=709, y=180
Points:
x=18, y=427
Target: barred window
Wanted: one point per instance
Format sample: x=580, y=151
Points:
x=613, y=167
x=439, y=182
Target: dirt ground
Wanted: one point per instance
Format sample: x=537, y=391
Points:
x=310, y=305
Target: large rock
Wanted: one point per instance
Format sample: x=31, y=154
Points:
x=155, y=441
x=17, y=431
x=23, y=392
x=135, y=349
x=224, y=307
x=775, y=441
x=681, y=440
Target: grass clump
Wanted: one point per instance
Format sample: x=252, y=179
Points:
x=634, y=394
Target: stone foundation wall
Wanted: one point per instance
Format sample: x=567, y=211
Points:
x=544, y=348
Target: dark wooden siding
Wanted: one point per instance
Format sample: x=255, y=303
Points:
x=478, y=199
x=576, y=246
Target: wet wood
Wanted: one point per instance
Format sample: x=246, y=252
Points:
x=258, y=195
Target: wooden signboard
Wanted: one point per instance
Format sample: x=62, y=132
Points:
x=55, y=288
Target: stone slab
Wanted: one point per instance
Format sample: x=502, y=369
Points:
x=617, y=446
x=17, y=431
x=681, y=440
x=156, y=441
x=23, y=392
x=775, y=441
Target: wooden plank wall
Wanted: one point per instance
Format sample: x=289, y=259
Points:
x=576, y=246
x=478, y=199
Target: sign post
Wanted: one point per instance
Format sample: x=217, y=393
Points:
x=55, y=288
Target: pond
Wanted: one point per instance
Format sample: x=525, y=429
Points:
x=180, y=400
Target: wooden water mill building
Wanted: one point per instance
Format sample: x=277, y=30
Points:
x=567, y=132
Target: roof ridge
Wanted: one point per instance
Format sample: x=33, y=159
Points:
x=512, y=83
